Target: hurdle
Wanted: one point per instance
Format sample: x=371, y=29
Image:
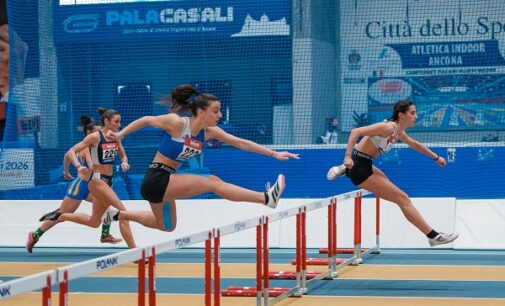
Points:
x=67, y=273
x=211, y=238
x=207, y=236
x=43, y=280
x=302, y=276
x=262, y=284
x=334, y=264
x=63, y=275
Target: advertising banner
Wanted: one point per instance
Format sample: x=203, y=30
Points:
x=119, y=20
x=447, y=57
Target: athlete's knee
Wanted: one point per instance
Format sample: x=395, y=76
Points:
x=213, y=184
x=163, y=227
x=214, y=179
x=171, y=228
x=95, y=223
x=403, y=199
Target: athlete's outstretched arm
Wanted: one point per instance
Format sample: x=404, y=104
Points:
x=165, y=122
x=246, y=145
x=421, y=148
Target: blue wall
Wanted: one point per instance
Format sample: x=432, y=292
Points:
x=475, y=173
x=472, y=175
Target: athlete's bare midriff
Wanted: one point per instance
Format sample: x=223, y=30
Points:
x=162, y=159
x=103, y=169
x=367, y=146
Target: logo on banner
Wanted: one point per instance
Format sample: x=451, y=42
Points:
x=239, y=226
x=106, y=263
x=353, y=60
x=169, y=16
x=111, y=20
x=5, y=291
x=81, y=23
x=181, y=242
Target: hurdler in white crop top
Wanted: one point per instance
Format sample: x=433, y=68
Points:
x=384, y=144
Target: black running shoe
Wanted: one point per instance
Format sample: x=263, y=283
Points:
x=54, y=215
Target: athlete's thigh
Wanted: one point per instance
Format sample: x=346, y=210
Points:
x=382, y=187
x=69, y=205
x=103, y=193
x=90, y=198
x=186, y=185
x=379, y=172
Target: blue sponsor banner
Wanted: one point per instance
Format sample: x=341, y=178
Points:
x=220, y=18
x=449, y=54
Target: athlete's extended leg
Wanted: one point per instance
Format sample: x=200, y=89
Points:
x=103, y=193
x=163, y=216
x=187, y=185
x=68, y=205
x=382, y=187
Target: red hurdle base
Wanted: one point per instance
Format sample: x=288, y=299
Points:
x=251, y=291
x=319, y=261
x=291, y=274
x=341, y=251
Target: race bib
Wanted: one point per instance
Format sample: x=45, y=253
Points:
x=192, y=147
x=109, y=152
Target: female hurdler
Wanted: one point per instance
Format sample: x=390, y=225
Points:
x=378, y=139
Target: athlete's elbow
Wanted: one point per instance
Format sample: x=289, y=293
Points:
x=355, y=134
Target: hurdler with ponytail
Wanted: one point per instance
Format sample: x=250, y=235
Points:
x=378, y=139
x=99, y=172
x=183, y=139
x=77, y=191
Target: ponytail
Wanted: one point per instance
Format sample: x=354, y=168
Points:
x=186, y=98
x=88, y=124
x=106, y=114
x=401, y=106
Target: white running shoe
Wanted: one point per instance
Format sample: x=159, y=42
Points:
x=334, y=172
x=442, y=238
x=108, y=216
x=274, y=193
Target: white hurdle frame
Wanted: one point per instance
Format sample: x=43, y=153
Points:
x=43, y=280
x=333, y=267
x=63, y=275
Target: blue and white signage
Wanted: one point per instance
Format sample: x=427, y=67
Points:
x=220, y=18
x=447, y=57
x=16, y=169
x=449, y=54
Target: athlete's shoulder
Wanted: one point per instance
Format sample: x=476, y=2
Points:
x=387, y=125
x=92, y=137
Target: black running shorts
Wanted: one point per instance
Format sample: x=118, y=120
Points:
x=155, y=182
x=362, y=168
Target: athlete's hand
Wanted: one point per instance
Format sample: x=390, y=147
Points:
x=284, y=155
x=83, y=172
x=67, y=176
x=441, y=161
x=348, y=163
x=111, y=135
x=125, y=166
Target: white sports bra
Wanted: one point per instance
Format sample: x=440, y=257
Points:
x=384, y=144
